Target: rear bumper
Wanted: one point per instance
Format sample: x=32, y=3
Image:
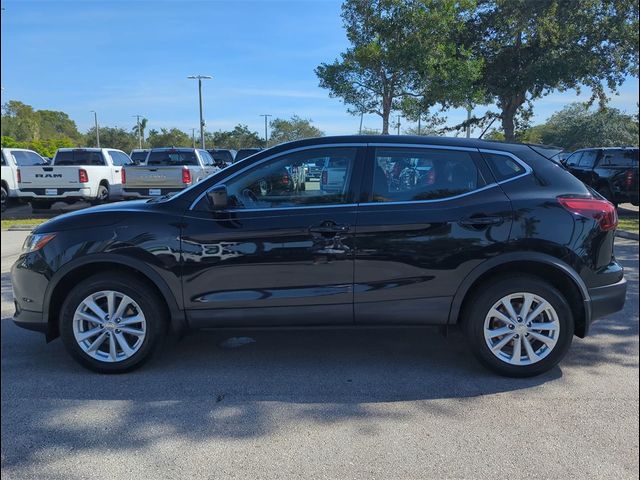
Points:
x=143, y=192
x=607, y=299
x=63, y=193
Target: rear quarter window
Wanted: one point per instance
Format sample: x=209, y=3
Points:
x=503, y=166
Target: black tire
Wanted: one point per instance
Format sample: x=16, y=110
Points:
x=103, y=195
x=485, y=298
x=5, y=198
x=41, y=204
x=146, y=297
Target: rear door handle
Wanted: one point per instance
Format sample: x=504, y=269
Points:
x=481, y=221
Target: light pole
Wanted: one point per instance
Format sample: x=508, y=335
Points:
x=139, y=131
x=361, y=117
x=200, y=78
x=398, y=125
x=266, y=136
x=95, y=118
x=469, y=110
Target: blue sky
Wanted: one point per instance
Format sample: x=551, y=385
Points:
x=124, y=58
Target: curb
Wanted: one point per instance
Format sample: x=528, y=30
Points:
x=627, y=235
x=21, y=228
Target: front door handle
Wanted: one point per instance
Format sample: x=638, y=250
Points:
x=329, y=227
x=481, y=221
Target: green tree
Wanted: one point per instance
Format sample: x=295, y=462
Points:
x=578, y=126
x=295, y=128
x=20, y=121
x=112, y=137
x=55, y=124
x=143, y=127
x=403, y=56
x=533, y=47
x=46, y=148
x=168, y=138
x=239, y=137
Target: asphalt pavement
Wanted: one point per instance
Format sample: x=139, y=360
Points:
x=380, y=404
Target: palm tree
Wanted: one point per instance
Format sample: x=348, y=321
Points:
x=143, y=126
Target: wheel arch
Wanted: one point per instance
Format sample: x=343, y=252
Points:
x=76, y=271
x=546, y=267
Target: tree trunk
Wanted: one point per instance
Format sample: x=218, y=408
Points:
x=509, y=107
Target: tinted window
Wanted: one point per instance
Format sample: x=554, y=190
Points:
x=282, y=182
x=138, y=157
x=221, y=155
x=502, y=166
x=574, y=159
x=24, y=159
x=78, y=157
x=172, y=157
x=206, y=158
x=120, y=159
x=423, y=174
x=245, y=152
x=588, y=159
x=620, y=158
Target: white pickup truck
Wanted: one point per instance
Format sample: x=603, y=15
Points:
x=90, y=174
x=12, y=160
x=168, y=170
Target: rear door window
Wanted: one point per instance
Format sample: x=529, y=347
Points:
x=503, y=166
x=172, y=157
x=406, y=174
x=620, y=158
x=120, y=159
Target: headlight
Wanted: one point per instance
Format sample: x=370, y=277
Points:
x=36, y=241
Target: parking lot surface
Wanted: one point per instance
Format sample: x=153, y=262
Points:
x=384, y=404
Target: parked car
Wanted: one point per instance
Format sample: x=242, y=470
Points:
x=222, y=157
x=167, y=170
x=91, y=174
x=246, y=152
x=332, y=178
x=503, y=242
x=12, y=160
x=612, y=171
x=139, y=155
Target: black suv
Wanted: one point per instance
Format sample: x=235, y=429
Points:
x=612, y=171
x=423, y=231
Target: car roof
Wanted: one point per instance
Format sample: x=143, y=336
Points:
x=184, y=149
x=84, y=149
x=606, y=148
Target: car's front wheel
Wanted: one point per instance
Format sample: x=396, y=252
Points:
x=112, y=323
x=519, y=326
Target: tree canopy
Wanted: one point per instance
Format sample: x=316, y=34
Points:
x=533, y=47
x=167, y=137
x=239, y=137
x=295, y=128
x=112, y=137
x=403, y=56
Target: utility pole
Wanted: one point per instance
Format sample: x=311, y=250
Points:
x=419, y=119
x=360, y=129
x=200, y=78
x=193, y=137
x=95, y=118
x=398, y=125
x=139, y=131
x=469, y=109
x=266, y=136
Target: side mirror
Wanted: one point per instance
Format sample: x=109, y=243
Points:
x=218, y=197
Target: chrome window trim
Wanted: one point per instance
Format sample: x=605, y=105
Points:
x=419, y=145
x=270, y=157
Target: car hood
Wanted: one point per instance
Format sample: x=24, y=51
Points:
x=99, y=216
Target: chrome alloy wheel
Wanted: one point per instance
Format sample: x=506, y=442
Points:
x=521, y=328
x=109, y=326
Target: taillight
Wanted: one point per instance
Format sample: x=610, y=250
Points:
x=186, y=175
x=19, y=176
x=123, y=176
x=629, y=179
x=600, y=210
x=324, y=177
x=83, y=176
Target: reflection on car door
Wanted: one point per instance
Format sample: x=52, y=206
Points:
x=429, y=217
x=288, y=260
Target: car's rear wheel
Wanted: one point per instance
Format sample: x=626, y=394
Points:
x=5, y=197
x=102, y=196
x=519, y=326
x=112, y=323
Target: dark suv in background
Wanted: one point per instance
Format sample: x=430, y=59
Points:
x=490, y=236
x=611, y=171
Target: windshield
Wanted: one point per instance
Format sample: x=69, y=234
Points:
x=172, y=157
x=78, y=157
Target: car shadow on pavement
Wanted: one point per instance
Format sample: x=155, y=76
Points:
x=199, y=389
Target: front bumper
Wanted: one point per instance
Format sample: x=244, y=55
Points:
x=29, y=320
x=28, y=283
